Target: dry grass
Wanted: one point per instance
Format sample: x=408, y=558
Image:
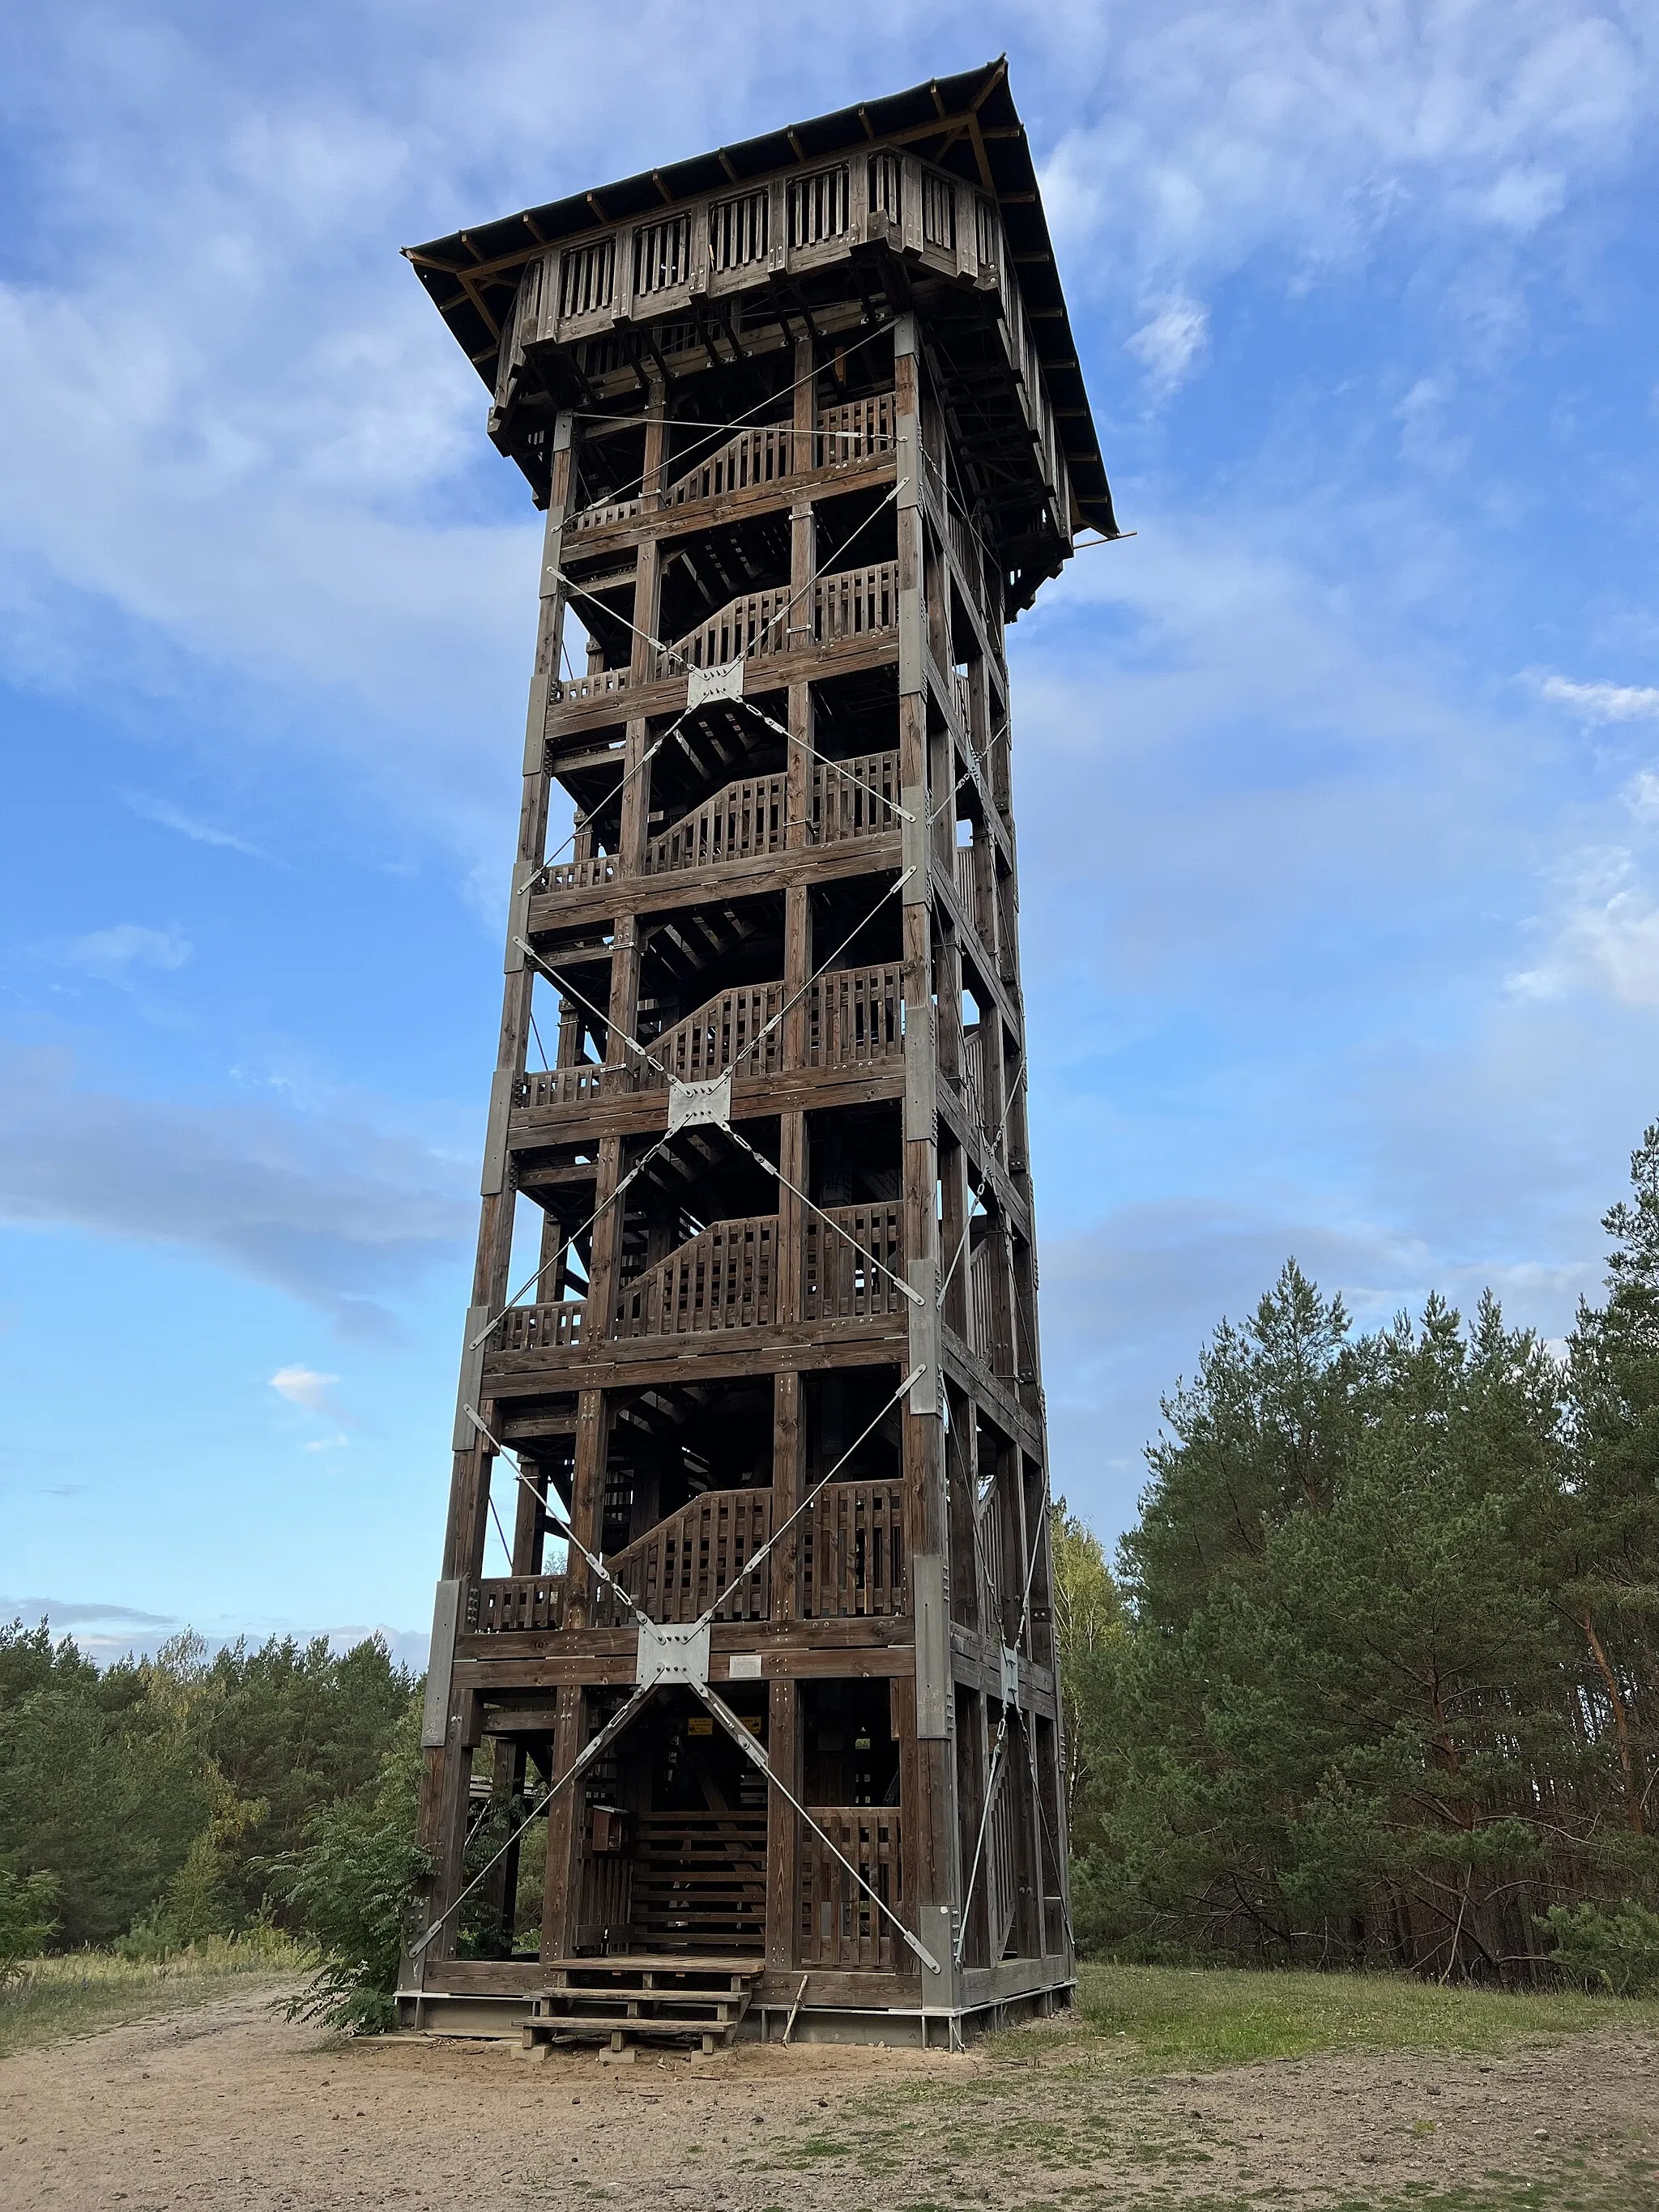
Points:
x=55, y=1998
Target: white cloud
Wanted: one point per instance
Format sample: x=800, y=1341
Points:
x=304, y=1386
x=1641, y=795
x=169, y=817
x=1310, y=125
x=1601, y=702
x=1606, y=933
x=332, y=1211
x=114, y=954
x=1168, y=345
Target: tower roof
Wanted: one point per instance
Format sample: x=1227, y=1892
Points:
x=967, y=124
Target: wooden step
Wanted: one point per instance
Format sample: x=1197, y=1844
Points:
x=643, y=1996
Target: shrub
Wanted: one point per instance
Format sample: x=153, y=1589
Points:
x=1617, y=1951
x=26, y=1918
x=353, y=1889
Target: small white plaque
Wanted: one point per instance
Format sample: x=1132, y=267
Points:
x=743, y=1667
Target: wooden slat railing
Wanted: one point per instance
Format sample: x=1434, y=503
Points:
x=724, y=1278
x=839, y=1926
x=696, y=1559
x=970, y=1078
x=540, y=1328
x=856, y=603
x=578, y=875
x=987, y=1561
x=854, y=798
x=761, y=456
x=987, y=1324
x=498, y=1604
x=1001, y=1861
x=739, y=821
x=850, y=1268
x=574, y=690
x=564, y=1086
x=855, y=1018
x=774, y=451
x=711, y=1040
x=850, y=1551
x=601, y=513
x=858, y=429
x=967, y=881
x=853, y=602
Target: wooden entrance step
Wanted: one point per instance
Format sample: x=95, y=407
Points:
x=629, y=1999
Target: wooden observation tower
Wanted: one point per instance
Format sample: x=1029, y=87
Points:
x=756, y=1728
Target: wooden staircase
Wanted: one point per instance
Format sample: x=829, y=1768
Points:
x=643, y=1997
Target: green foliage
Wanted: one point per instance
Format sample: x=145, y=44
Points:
x=353, y=1887
x=26, y=1918
x=1384, y=1685
x=155, y=1794
x=1617, y=1951
x=1089, y=1627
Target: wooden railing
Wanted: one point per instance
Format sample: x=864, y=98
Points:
x=576, y=690
x=854, y=798
x=855, y=1018
x=839, y=1923
x=696, y=1559
x=564, y=1086
x=855, y=432
x=989, y=1328
x=1002, y=1861
x=760, y=456
x=967, y=881
x=849, y=1552
x=742, y=820
x=724, y=1278
x=579, y=875
x=603, y=514
x=722, y=1031
x=851, y=604
x=851, y=1265
x=988, y=1560
x=857, y=429
x=540, y=1328
x=856, y=603
x=748, y=819
x=502, y=1603
x=850, y=1549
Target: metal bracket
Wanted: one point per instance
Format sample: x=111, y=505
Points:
x=700, y=1105
x=1009, y=1678
x=724, y=682
x=671, y=1652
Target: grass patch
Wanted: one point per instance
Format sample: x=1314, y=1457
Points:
x=1164, y=2020
x=76, y=1995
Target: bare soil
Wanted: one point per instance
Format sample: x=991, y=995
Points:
x=230, y=2104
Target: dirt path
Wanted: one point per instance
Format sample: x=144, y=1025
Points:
x=230, y=2106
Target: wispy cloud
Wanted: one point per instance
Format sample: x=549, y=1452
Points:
x=74, y=1612
x=1168, y=346
x=1601, y=702
x=116, y=954
x=169, y=817
x=335, y=1213
x=1604, y=932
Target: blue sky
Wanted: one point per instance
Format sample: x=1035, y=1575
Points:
x=1338, y=785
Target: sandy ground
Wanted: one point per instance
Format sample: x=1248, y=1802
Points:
x=231, y=2105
